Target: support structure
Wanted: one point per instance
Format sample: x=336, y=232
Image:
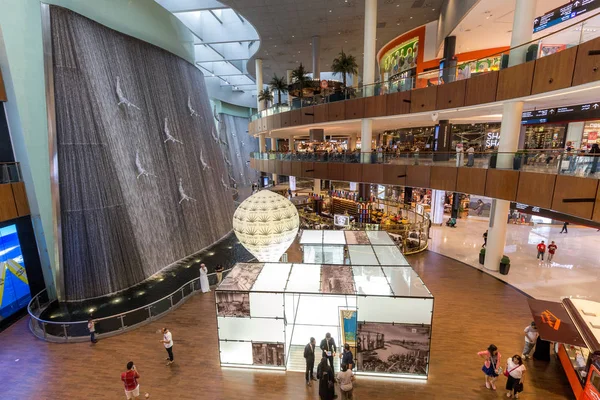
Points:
x=352, y=141
x=369, y=45
x=316, y=57
x=366, y=139
x=437, y=206
x=288, y=75
x=259, y=83
x=274, y=148
x=317, y=186
x=522, y=31
x=262, y=145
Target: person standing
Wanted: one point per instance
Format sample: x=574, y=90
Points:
x=459, y=154
x=130, y=380
x=345, y=379
x=168, y=343
x=564, y=228
x=204, y=285
x=551, y=250
x=92, y=328
x=328, y=347
x=515, y=370
x=347, y=357
x=531, y=335
x=219, y=270
x=595, y=153
x=470, y=156
x=326, y=380
x=491, y=365
x=309, y=355
x=541, y=250
x=485, y=235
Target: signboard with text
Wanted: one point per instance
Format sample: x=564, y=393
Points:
x=564, y=13
x=580, y=112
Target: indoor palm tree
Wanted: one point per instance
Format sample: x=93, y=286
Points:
x=344, y=64
x=265, y=95
x=279, y=84
x=299, y=76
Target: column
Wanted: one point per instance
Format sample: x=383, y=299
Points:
x=355, y=80
x=289, y=81
x=274, y=148
x=352, y=141
x=455, y=205
x=509, y=133
x=575, y=134
x=369, y=45
x=259, y=83
x=317, y=186
x=449, y=72
x=366, y=137
x=293, y=183
x=262, y=146
x=437, y=206
x=522, y=30
x=316, y=57
x=494, y=250
x=292, y=144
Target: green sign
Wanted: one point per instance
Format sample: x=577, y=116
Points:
x=400, y=59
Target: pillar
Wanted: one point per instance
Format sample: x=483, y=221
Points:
x=437, y=206
x=292, y=183
x=366, y=137
x=355, y=80
x=449, y=72
x=262, y=146
x=364, y=191
x=259, y=83
x=317, y=186
x=510, y=129
x=316, y=57
x=407, y=195
x=274, y=148
x=369, y=45
x=522, y=30
x=455, y=205
x=575, y=134
x=352, y=141
x=289, y=81
x=494, y=250
x=442, y=141
x=292, y=144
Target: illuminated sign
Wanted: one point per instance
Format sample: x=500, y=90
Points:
x=400, y=59
x=564, y=13
x=550, y=319
x=580, y=112
x=492, y=139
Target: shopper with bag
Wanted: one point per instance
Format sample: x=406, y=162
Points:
x=345, y=379
x=326, y=380
x=491, y=367
x=514, y=372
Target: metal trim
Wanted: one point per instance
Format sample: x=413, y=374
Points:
x=59, y=280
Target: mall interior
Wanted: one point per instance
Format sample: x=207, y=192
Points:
x=227, y=179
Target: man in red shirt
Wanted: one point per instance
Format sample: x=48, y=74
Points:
x=551, y=249
x=541, y=248
x=129, y=378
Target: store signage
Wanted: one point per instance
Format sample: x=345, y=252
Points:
x=400, y=59
x=492, y=139
x=564, y=13
x=579, y=112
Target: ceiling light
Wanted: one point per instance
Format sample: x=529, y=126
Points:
x=330, y=10
x=293, y=36
x=410, y=17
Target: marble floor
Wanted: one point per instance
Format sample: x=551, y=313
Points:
x=574, y=271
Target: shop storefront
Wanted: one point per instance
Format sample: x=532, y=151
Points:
x=590, y=134
x=546, y=136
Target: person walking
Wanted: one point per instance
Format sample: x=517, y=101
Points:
x=491, y=366
x=470, y=156
x=347, y=357
x=329, y=348
x=309, y=356
x=130, y=381
x=551, y=250
x=531, y=335
x=345, y=379
x=514, y=372
x=564, y=228
x=92, y=328
x=326, y=380
x=219, y=270
x=204, y=285
x=485, y=235
x=168, y=343
x=541, y=249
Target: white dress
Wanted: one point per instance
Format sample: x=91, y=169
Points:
x=204, y=286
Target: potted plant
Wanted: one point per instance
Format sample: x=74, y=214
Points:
x=265, y=95
x=518, y=160
x=482, y=256
x=504, y=265
x=301, y=80
x=344, y=64
x=279, y=84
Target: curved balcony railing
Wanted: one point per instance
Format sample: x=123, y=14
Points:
x=77, y=331
x=541, y=46
x=558, y=162
x=10, y=172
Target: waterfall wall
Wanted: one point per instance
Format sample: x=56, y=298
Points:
x=237, y=146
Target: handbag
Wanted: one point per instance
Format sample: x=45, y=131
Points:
x=494, y=366
x=507, y=372
x=518, y=387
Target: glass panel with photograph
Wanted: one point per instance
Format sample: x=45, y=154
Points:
x=304, y=278
x=400, y=310
x=236, y=352
x=362, y=255
x=312, y=253
x=251, y=329
x=390, y=255
x=406, y=282
x=379, y=237
x=232, y=304
x=333, y=254
x=311, y=237
x=241, y=277
x=337, y=279
x=356, y=237
x=268, y=354
x=371, y=281
x=272, y=278
x=334, y=237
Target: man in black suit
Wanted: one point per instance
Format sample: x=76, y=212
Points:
x=309, y=355
x=328, y=347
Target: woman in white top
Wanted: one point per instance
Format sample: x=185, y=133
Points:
x=515, y=370
x=204, y=286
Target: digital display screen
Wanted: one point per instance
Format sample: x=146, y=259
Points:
x=564, y=13
x=14, y=286
x=341, y=220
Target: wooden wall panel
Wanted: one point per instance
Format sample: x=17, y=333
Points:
x=572, y=187
x=596, y=215
x=308, y=169
x=286, y=168
x=286, y=118
x=418, y=176
x=515, y=81
x=554, y=72
x=502, y=184
x=353, y=172
x=270, y=166
x=481, y=89
x=372, y=173
x=587, y=68
x=276, y=121
x=336, y=111
x=335, y=171
x=375, y=106
x=251, y=128
x=398, y=103
x=394, y=174
x=321, y=113
x=355, y=108
x=471, y=180
x=8, y=208
x=443, y=178
x=2, y=89
x=253, y=163
x=536, y=188
x=278, y=167
x=297, y=168
x=423, y=99
x=321, y=170
x=451, y=95
x=308, y=115
x=296, y=117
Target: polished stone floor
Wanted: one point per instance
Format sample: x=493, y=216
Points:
x=574, y=271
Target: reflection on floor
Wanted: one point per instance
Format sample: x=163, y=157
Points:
x=574, y=271
x=472, y=310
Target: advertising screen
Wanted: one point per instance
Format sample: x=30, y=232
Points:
x=14, y=287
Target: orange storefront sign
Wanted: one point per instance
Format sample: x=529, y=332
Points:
x=550, y=319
